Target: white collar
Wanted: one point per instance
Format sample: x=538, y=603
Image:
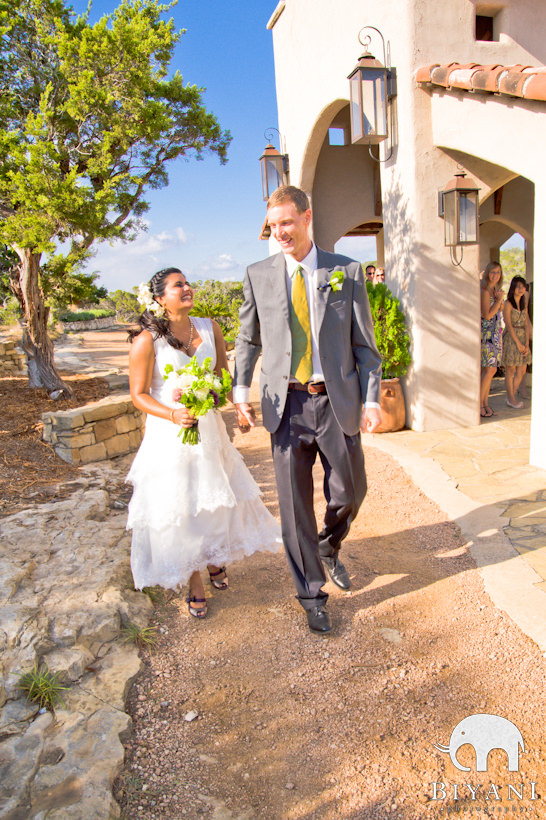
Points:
x=309, y=263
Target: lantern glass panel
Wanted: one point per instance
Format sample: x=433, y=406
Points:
x=450, y=218
x=356, y=106
x=271, y=175
x=468, y=207
x=374, y=104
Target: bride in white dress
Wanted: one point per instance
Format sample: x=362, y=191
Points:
x=193, y=506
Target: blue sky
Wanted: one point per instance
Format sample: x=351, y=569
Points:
x=208, y=218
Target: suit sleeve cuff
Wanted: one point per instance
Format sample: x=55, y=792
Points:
x=372, y=404
x=241, y=394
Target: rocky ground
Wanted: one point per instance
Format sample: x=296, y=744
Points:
x=248, y=716
x=66, y=598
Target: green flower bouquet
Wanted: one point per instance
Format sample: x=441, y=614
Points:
x=199, y=389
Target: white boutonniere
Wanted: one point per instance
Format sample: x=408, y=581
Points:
x=336, y=281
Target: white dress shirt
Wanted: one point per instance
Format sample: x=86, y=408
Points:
x=309, y=267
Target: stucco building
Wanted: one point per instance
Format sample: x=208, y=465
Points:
x=471, y=94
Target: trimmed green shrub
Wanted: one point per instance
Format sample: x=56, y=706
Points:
x=391, y=335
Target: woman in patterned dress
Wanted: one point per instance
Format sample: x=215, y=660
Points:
x=492, y=298
x=515, y=340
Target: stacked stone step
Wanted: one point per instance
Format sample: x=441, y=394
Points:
x=98, y=431
x=12, y=359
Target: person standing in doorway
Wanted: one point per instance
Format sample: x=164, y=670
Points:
x=307, y=312
x=516, y=354
x=492, y=299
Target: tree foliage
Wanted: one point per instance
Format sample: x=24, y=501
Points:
x=89, y=119
x=125, y=304
x=9, y=262
x=220, y=301
x=513, y=263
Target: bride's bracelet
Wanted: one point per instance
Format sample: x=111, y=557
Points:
x=172, y=415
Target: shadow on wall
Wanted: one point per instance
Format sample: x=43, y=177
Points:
x=441, y=304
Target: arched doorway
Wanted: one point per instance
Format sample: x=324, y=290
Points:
x=344, y=181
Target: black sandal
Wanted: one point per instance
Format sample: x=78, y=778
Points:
x=223, y=584
x=197, y=613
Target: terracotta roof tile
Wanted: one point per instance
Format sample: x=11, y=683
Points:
x=512, y=83
x=524, y=81
x=423, y=74
x=462, y=77
x=486, y=78
x=535, y=87
x=440, y=74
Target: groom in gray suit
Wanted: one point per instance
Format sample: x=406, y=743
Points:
x=307, y=312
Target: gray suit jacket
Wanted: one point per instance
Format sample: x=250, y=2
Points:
x=348, y=354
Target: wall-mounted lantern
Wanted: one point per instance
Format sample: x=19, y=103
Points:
x=274, y=167
x=458, y=204
x=372, y=87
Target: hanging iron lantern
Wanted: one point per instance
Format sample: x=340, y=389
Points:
x=460, y=211
x=274, y=166
x=371, y=87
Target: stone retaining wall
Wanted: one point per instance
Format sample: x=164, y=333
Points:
x=90, y=324
x=104, y=429
x=12, y=359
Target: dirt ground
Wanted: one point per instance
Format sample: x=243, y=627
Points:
x=31, y=471
x=248, y=716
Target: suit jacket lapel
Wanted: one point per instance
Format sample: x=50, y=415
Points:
x=277, y=283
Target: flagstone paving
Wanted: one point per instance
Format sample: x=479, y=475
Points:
x=489, y=465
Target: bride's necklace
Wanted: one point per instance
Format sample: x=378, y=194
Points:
x=190, y=340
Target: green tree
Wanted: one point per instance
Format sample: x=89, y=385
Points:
x=513, y=263
x=220, y=301
x=9, y=262
x=125, y=304
x=9, y=304
x=71, y=287
x=89, y=119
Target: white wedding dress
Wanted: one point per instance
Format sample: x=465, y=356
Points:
x=192, y=505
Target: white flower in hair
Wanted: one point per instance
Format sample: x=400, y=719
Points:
x=147, y=301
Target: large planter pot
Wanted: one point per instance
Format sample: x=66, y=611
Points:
x=393, y=406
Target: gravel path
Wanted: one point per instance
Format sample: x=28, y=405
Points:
x=248, y=716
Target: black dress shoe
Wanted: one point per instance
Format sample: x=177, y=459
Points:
x=318, y=619
x=336, y=572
